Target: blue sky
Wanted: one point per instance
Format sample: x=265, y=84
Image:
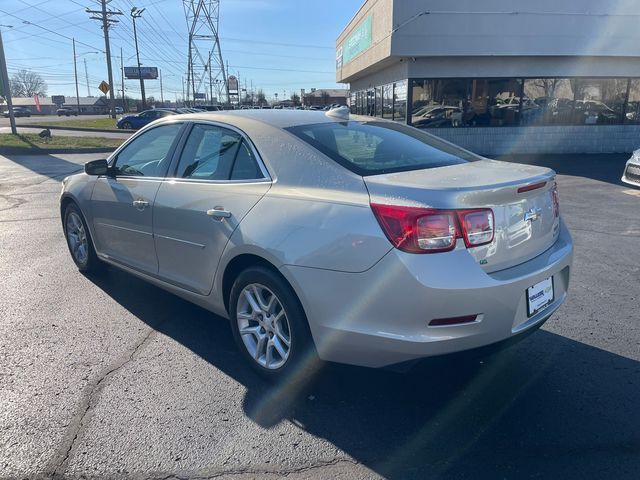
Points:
x=279, y=45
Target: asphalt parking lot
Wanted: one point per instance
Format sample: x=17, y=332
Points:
x=110, y=377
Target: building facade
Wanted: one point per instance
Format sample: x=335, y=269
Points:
x=500, y=76
x=324, y=97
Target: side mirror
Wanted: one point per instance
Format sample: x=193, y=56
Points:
x=96, y=167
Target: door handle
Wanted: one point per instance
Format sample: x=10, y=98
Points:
x=140, y=204
x=219, y=213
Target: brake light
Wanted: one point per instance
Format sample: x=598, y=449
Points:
x=427, y=230
x=477, y=226
x=417, y=230
x=556, y=201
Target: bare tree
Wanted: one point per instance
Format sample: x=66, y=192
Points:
x=295, y=98
x=27, y=84
x=260, y=97
x=325, y=97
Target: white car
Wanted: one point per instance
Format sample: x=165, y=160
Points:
x=631, y=173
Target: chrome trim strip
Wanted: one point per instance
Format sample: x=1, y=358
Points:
x=199, y=245
x=117, y=227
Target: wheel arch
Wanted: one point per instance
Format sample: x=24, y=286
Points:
x=238, y=264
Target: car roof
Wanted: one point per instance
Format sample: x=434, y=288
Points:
x=275, y=117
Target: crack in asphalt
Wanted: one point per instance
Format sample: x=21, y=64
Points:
x=629, y=233
x=281, y=473
x=12, y=200
x=90, y=399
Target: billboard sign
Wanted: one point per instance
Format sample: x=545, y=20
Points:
x=232, y=83
x=58, y=99
x=147, y=73
x=357, y=42
x=200, y=96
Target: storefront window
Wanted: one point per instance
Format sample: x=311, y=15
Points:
x=387, y=101
x=378, y=108
x=633, y=106
x=352, y=102
x=548, y=101
x=600, y=101
x=400, y=101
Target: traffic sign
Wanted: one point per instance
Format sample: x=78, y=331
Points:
x=104, y=87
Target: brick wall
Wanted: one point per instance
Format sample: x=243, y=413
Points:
x=541, y=140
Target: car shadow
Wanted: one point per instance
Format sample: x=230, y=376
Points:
x=548, y=407
x=46, y=164
x=603, y=167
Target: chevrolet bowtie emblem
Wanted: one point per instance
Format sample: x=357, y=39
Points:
x=532, y=214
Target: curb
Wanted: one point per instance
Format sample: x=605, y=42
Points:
x=79, y=129
x=43, y=151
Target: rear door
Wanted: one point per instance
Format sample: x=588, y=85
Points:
x=217, y=179
x=122, y=202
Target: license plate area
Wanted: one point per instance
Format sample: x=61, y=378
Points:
x=540, y=296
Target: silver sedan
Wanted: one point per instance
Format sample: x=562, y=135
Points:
x=326, y=236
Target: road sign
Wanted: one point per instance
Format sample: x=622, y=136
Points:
x=200, y=96
x=104, y=87
x=147, y=73
x=232, y=83
x=58, y=99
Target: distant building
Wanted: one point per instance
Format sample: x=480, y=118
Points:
x=326, y=96
x=505, y=76
x=88, y=105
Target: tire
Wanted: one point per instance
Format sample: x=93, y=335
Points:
x=126, y=126
x=271, y=327
x=79, y=240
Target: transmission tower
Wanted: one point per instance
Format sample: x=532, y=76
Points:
x=205, y=57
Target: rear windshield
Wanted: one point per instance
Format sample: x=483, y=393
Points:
x=372, y=148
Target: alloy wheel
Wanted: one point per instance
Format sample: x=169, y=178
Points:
x=263, y=326
x=77, y=238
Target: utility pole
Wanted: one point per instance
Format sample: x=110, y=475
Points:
x=137, y=13
x=124, y=101
x=183, y=104
x=6, y=86
x=210, y=83
x=161, y=94
x=75, y=73
x=104, y=16
x=86, y=77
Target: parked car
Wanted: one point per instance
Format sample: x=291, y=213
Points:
x=438, y=116
x=134, y=122
x=352, y=239
x=66, y=111
x=18, y=112
x=119, y=110
x=631, y=173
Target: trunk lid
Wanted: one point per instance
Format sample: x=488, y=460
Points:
x=525, y=223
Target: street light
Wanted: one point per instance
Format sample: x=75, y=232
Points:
x=137, y=13
x=75, y=73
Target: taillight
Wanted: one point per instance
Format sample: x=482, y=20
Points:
x=556, y=201
x=426, y=230
x=477, y=226
x=417, y=230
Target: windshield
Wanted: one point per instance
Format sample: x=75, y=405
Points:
x=372, y=148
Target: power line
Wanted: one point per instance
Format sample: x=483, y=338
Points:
x=27, y=22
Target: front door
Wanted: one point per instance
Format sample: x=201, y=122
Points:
x=216, y=182
x=122, y=202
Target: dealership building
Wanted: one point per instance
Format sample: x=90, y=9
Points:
x=500, y=76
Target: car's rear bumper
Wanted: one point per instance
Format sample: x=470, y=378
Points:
x=381, y=317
